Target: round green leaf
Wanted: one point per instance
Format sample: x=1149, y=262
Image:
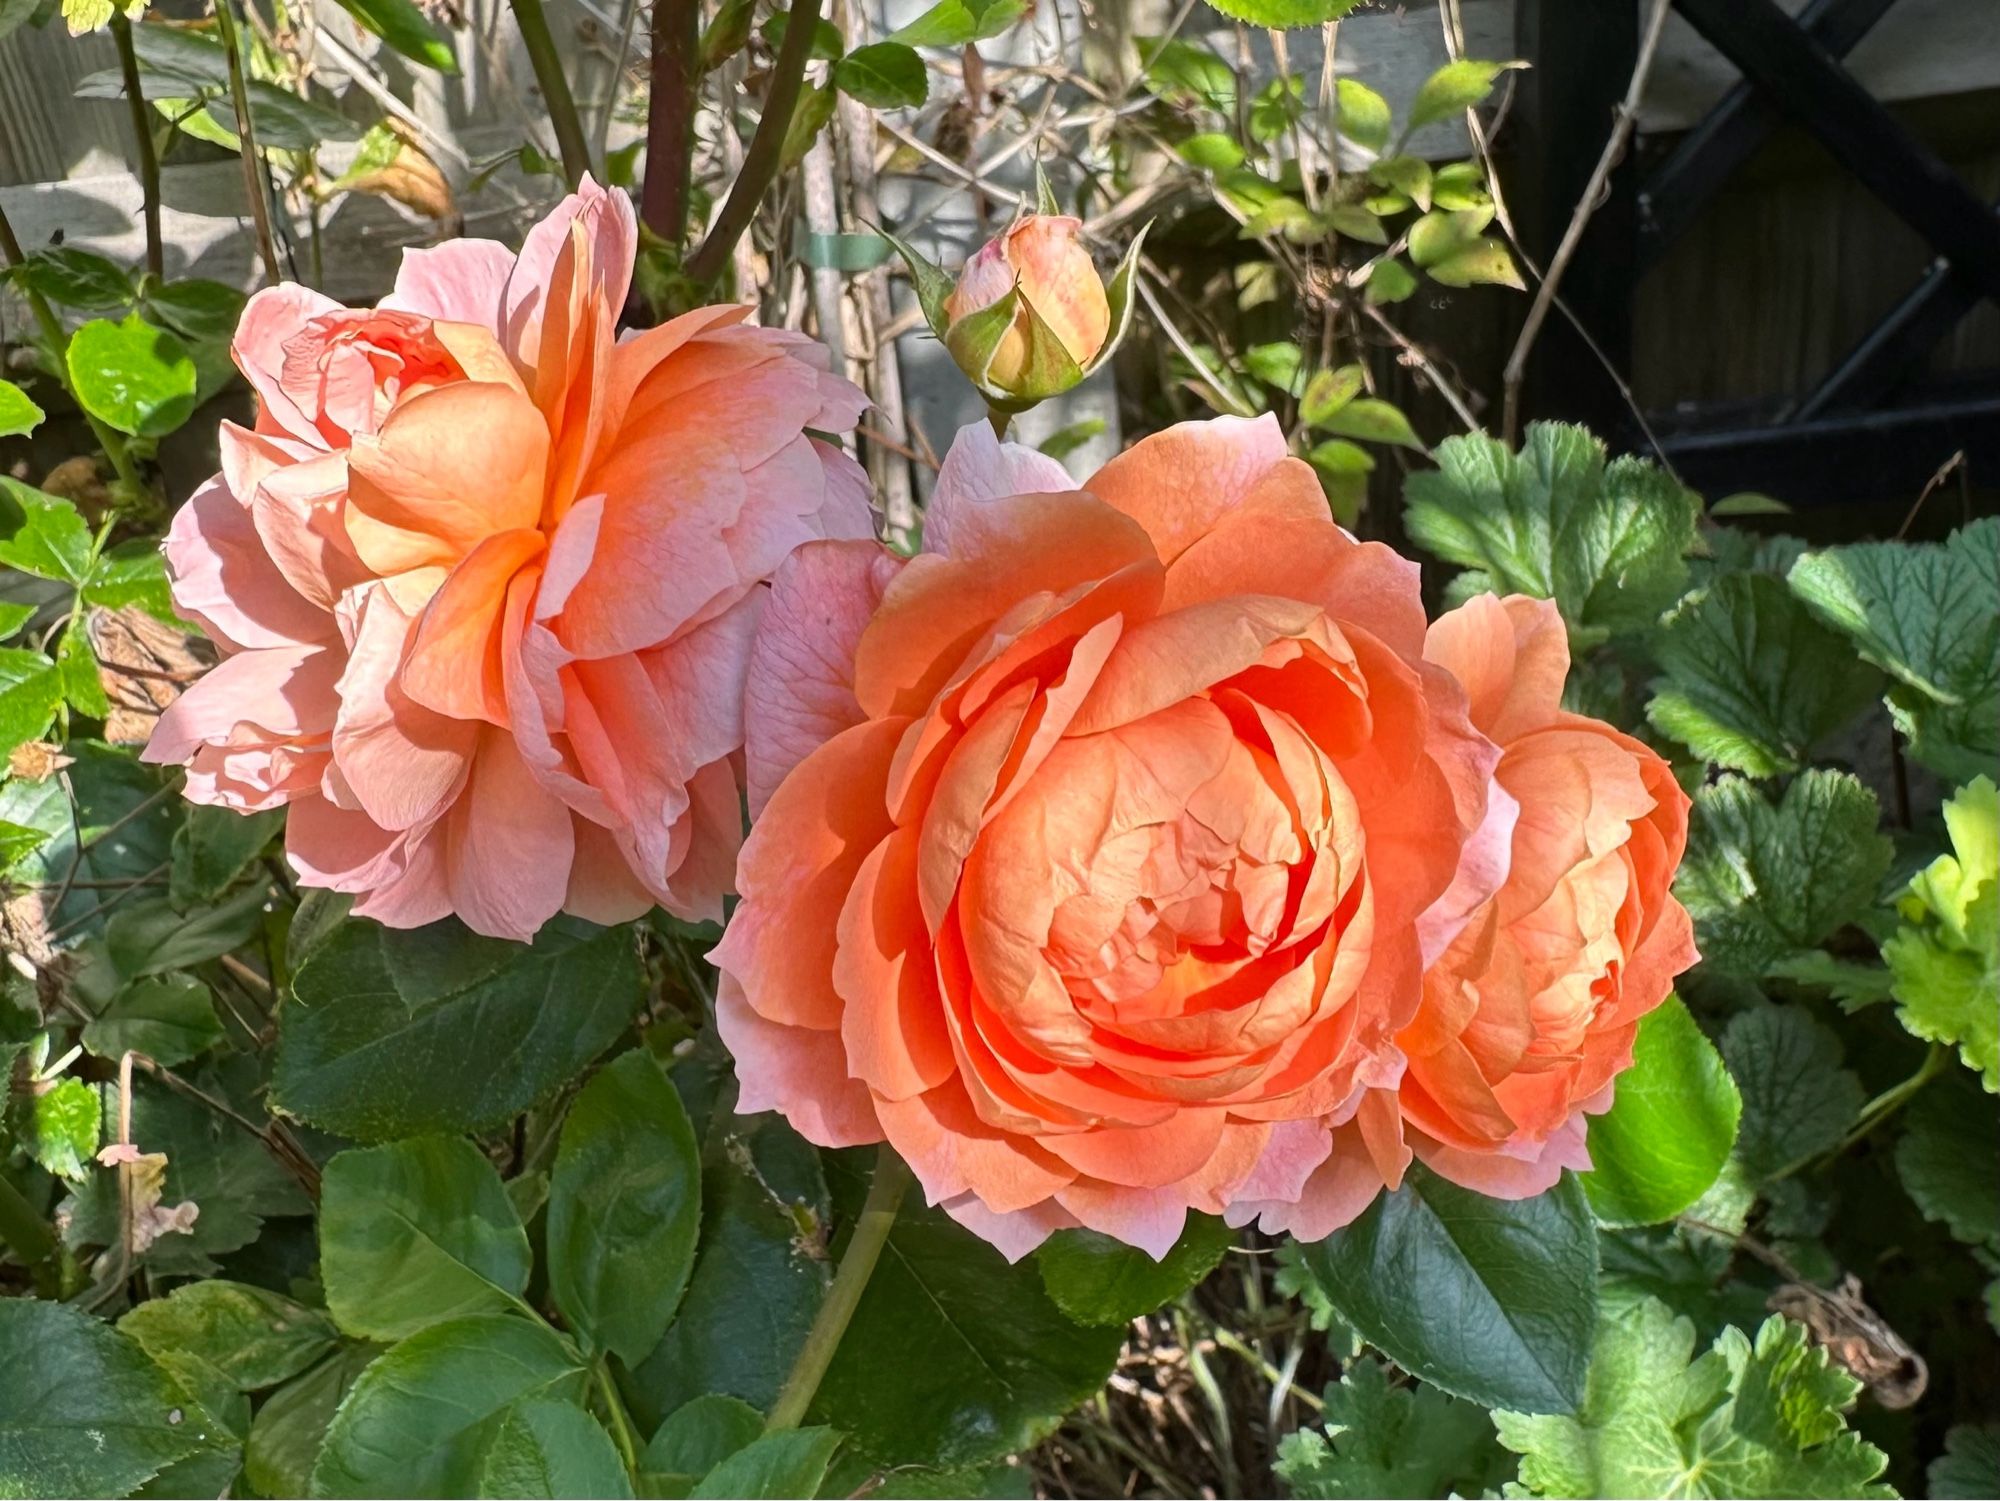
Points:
x=1098, y=1280
x=415, y=1233
x=1494, y=1300
x=885, y=75
x=624, y=1208
x=418, y=1421
x=138, y=378
x=1284, y=13
x=1670, y=1127
x=700, y=1435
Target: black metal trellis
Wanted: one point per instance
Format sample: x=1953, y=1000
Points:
x=1871, y=428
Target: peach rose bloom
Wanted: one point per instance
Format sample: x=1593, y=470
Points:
x=1098, y=850
x=485, y=577
x=1530, y=1013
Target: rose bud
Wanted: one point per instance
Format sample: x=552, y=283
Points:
x=1029, y=316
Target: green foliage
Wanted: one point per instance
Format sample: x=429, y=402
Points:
x=1970, y=1466
x=1797, y=1100
x=404, y=26
x=1001, y=1361
x=1392, y=1441
x=883, y=75
x=1607, y=542
x=169, y=1018
x=398, y=1033
x=1945, y=958
x=1285, y=13
x=415, y=1233
x=1741, y=1420
x=1097, y=1280
x=624, y=1208
x=19, y=415
x=1929, y=615
x=542, y=1448
x=136, y=377
x=1670, y=1128
x=1949, y=1160
x=1766, y=883
x=83, y=1410
x=1508, y=1307
x=1752, y=682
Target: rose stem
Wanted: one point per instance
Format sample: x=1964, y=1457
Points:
x=563, y=117
x=864, y=1249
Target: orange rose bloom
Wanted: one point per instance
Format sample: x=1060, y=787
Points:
x=1099, y=849
x=1530, y=1013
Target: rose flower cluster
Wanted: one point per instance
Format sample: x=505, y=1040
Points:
x=1135, y=848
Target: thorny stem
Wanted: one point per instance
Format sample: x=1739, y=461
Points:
x=767, y=146
x=142, y=141
x=246, y=141
x=864, y=1249
x=663, y=203
x=57, y=340
x=563, y=118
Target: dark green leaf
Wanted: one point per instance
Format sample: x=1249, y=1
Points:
x=1969, y=1468
x=885, y=75
x=79, y=279
x=196, y=308
x=1797, y=1099
x=624, y=1208
x=1508, y=1305
x=699, y=1435
x=777, y=1465
x=76, y=663
x=403, y=26
x=252, y=1336
x=132, y=375
x=826, y=43
x=552, y=1449
x=415, y=1233
x=83, y=1412
x=1001, y=1362
x=1098, y=1280
x=175, y=62
x=112, y=789
x=213, y=847
x=758, y=1278
x=1670, y=1127
x=1949, y=1159
x=151, y=936
x=170, y=1019
x=394, y=1033
x=417, y=1422
x=42, y=534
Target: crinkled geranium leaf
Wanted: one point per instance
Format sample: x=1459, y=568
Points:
x=1607, y=542
x=1930, y=615
x=1766, y=881
x=1509, y=1302
x=1741, y=1420
x=1382, y=1439
x=1797, y=1100
x=1752, y=681
x=1949, y=1159
x=1969, y=1468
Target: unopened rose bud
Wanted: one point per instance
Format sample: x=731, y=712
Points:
x=1060, y=298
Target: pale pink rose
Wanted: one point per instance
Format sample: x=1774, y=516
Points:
x=485, y=578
